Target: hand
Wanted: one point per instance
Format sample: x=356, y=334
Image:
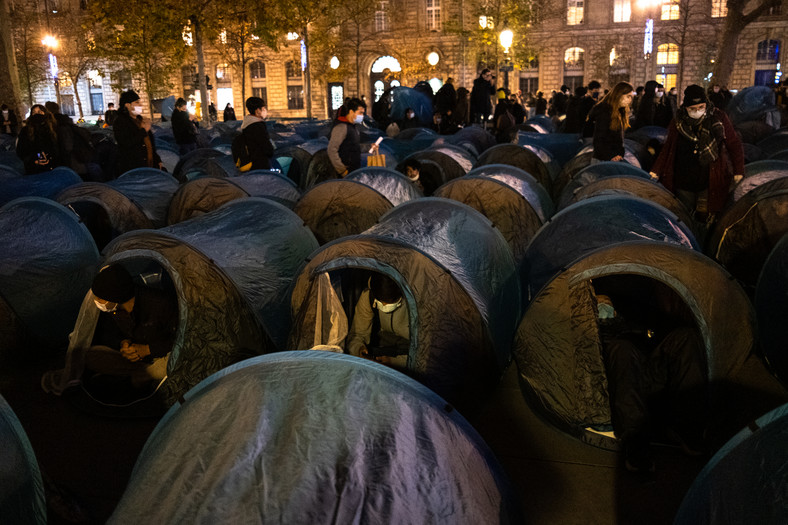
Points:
x=134, y=352
x=653, y=176
x=374, y=149
x=146, y=124
x=383, y=360
x=737, y=178
x=617, y=158
x=343, y=173
x=364, y=352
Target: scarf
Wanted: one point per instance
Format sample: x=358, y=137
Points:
x=705, y=133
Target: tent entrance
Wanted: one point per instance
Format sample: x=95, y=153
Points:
x=97, y=220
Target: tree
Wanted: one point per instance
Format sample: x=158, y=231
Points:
x=30, y=53
x=684, y=33
x=236, y=41
x=77, y=51
x=143, y=35
x=357, y=18
x=735, y=22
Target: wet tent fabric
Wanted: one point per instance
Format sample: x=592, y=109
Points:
x=647, y=133
x=759, y=173
x=754, y=103
x=547, y=158
x=520, y=157
x=439, y=166
x=297, y=158
x=595, y=172
x=232, y=270
x=47, y=185
x=21, y=487
x=771, y=305
x=475, y=139
x=207, y=194
x=457, y=276
x=557, y=347
x=774, y=143
x=510, y=198
x=188, y=166
x=592, y=224
x=632, y=186
x=138, y=199
x=337, y=208
x=47, y=263
x=747, y=231
x=746, y=480
x=562, y=146
x=403, y=98
x=373, y=446
x=393, y=185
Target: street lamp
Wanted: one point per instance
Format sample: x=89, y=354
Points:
x=649, y=6
x=506, y=38
x=51, y=43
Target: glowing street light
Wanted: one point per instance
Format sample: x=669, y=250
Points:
x=433, y=58
x=506, y=37
x=51, y=43
x=334, y=62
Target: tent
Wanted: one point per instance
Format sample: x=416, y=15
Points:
x=403, y=98
x=771, y=305
x=457, y=275
x=746, y=480
x=583, y=160
x=475, y=139
x=11, y=160
x=21, y=487
x=547, y=158
x=189, y=166
x=520, y=157
x=754, y=103
x=774, y=143
x=47, y=184
x=562, y=146
x=47, y=262
x=758, y=173
x=747, y=231
x=594, y=172
x=295, y=159
x=396, y=187
x=440, y=165
x=557, y=346
x=136, y=200
x=512, y=199
x=315, y=437
x=646, y=133
x=232, y=270
x=207, y=194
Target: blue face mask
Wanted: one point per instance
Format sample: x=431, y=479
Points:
x=359, y=119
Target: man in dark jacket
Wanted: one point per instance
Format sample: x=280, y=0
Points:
x=183, y=128
x=483, y=89
x=111, y=114
x=344, y=145
x=446, y=99
x=136, y=146
x=255, y=134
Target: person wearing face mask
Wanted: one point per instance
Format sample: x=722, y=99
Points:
x=135, y=331
x=9, y=125
x=344, y=145
x=136, y=146
x=255, y=134
x=409, y=120
x=694, y=161
x=380, y=328
x=647, y=107
x=37, y=145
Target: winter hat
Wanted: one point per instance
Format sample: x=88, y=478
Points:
x=127, y=97
x=113, y=284
x=694, y=94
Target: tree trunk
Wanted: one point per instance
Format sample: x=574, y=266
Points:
x=723, y=65
x=201, y=69
x=243, y=72
x=307, y=75
x=358, y=61
x=74, y=83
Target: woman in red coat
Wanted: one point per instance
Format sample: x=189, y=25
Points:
x=701, y=155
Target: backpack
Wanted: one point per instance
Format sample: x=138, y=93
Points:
x=241, y=154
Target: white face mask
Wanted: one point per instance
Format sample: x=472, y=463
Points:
x=106, y=307
x=695, y=113
x=660, y=93
x=5, y=113
x=359, y=119
x=606, y=311
x=137, y=110
x=387, y=308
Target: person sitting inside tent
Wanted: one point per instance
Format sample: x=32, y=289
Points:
x=380, y=328
x=656, y=381
x=412, y=171
x=135, y=331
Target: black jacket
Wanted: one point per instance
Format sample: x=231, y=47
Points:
x=37, y=137
x=260, y=148
x=607, y=142
x=183, y=129
x=480, y=97
x=132, y=146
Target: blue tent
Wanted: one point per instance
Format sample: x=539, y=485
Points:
x=47, y=263
x=751, y=104
x=189, y=165
x=207, y=194
x=563, y=146
x=396, y=187
x=47, y=184
x=232, y=270
x=519, y=157
x=774, y=143
x=512, y=199
x=746, y=481
x=456, y=273
x=597, y=171
x=21, y=487
x=771, y=304
x=295, y=159
x=475, y=139
x=439, y=165
x=403, y=98
x=315, y=437
x=758, y=173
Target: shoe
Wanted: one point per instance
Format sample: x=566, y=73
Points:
x=691, y=443
x=637, y=455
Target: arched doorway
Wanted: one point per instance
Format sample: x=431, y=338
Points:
x=384, y=75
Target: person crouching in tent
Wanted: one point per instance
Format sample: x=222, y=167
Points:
x=380, y=328
x=135, y=330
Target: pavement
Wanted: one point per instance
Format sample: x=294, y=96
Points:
x=87, y=458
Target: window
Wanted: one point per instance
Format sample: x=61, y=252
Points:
x=574, y=12
x=668, y=80
x=295, y=97
x=122, y=80
x=670, y=10
x=622, y=10
x=189, y=77
x=433, y=14
x=574, y=58
x=257, y=70
x=96, y=103
x=667, y=54
x=719, y=8
x=293, y=70
x=261, y=92
x=223, y=74
x=382, y=16
x=768, y=51
x=67, y=105
x=529, y=84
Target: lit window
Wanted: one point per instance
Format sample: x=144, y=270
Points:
x=670, y=10
x=382, y=16
x=768, y=51
x=574, y=12
x=622, y=11
x=719, y=8
x=667, y=54
x=295, y=97
x=573, y=57
x=433, y=14
x=668, y=80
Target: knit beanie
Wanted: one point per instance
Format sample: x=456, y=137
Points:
x=127, y=97
x=113, y=284
x=694, y=94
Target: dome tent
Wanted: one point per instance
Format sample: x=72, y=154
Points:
x=47, y=262
x=774, y=143
x=297, y=158
x=771, y=305
x=512, y=199
x=232, y=270
x=368, y=440
x=748, y=230
x=136, y=200
x=457, y=275
x=594, y=172
x=207, y=194
x=746, y=480
x=396, y=187
x=758, y=173
x=21, y=487
x=188, y=166
x=439, y=166
x=547, y=158
x=47, y=184
x=562, y=146
x=520, y=157
x=475, y=139
x=558, y=349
